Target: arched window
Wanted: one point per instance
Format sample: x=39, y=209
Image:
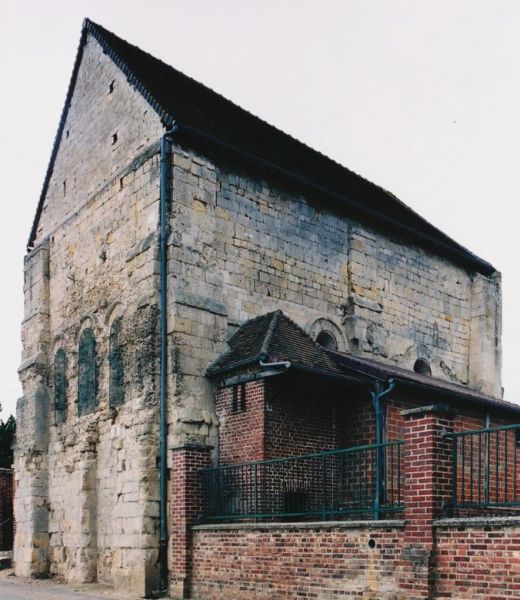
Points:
x=421, y=366
x=87, y=373
x=327, y=340
x=115, y=360
x=60, y=386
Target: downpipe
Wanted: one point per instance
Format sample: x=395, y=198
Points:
x=164, y=203
x=377, y=393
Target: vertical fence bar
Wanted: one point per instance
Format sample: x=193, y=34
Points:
x=515, y=450
x=255, y=486
x=479, y=468
x=488, y=456
x=506, y=467
x=497, y=440
x=471, y=469
x=324, y=488
x=399, y=473
x=454, y=472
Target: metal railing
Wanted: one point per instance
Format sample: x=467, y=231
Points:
x=485, y=466
x=364, y=481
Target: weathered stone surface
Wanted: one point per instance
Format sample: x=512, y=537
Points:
x=239, y=246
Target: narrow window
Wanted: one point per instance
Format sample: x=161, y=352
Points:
x=239, y=398
x=87, y=373
x=115, y=360
x=242, y=397
x=234, y=404
x=60, y=386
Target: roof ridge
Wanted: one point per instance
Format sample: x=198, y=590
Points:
x=97, y=31
x=270, y=330
x=154, y=79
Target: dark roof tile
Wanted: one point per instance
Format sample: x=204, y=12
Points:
x=196, y=108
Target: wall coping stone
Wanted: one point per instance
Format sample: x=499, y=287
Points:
x=384, y=524
x=478, y=522
x=419, y=411
x=191, y=446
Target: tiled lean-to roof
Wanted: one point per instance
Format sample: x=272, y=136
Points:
x=208, y=121
x=274, y=337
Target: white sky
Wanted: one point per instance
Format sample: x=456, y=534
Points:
x=420, y=96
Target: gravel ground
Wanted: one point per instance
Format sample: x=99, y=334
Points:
x=20, y=588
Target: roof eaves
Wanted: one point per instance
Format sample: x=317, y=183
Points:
x=449, y=248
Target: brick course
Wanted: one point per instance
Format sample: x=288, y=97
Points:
x=298, y=561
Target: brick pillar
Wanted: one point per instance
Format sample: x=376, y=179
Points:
x=186, y=508
x=427, y=487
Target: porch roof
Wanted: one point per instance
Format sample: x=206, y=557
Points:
x=274, y=339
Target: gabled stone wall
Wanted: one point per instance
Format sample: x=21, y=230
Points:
x=87, y=486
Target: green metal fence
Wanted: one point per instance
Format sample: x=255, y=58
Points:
x=485, y=468
x=361, y=482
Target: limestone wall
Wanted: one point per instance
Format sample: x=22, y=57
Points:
x=243, y=247
x=87, y=500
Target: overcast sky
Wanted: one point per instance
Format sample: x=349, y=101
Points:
x=420, y=96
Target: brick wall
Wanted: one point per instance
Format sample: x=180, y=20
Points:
x=289, y=418
x=6, y=509
x=185, y=509
x=300, y=419
x=241, y=412
x=296, y=561
x=478, y=559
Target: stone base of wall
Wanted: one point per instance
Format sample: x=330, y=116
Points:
x=297, y=560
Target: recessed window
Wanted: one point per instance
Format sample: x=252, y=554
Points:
x=115, y=361
x=60, y=386
x=327, y=340
x=422, y=367
x=87, y=373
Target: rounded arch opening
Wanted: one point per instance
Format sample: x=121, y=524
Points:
x=327, y=340
x=422, y=367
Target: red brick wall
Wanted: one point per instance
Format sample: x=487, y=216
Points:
x=241, y=432
x=289, y=419
x=300, y=421
x=185, y=508
x=6, y=509
x=478, y=562
x=295, y=562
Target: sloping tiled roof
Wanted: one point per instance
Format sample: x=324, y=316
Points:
x=372, y=368
x=207, y=119
x=273, y=338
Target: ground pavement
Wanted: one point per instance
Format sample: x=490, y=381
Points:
x=20, y=588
